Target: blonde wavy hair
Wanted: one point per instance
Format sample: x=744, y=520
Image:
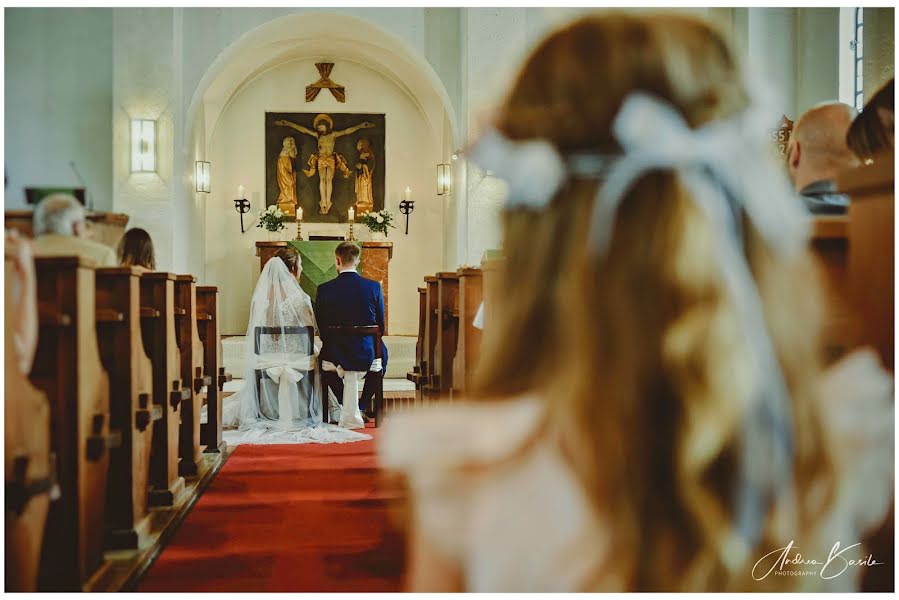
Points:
x=641, y=353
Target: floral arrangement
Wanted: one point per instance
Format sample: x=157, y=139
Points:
x=272, y=219
x=378, y=221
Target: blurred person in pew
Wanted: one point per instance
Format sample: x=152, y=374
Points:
x=24, y=288
x=136, y=250
x=817, y=152
x=872, y=131
x=60, y=230
x=651, y=413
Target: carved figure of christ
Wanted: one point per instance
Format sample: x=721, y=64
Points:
x=326, y=161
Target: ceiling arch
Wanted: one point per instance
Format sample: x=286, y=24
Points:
x=326, y=36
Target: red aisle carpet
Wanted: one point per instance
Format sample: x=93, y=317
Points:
x=288, y=518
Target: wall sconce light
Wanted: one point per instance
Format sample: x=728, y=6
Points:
x=203, y=177
x=241, y=205
x=407, y=206
x=143, y=146
x=443, y=179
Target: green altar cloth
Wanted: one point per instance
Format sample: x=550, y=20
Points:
x=318, y=263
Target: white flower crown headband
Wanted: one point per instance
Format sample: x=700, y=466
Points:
x=727, y=167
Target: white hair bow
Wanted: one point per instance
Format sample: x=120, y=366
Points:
x=727, y=167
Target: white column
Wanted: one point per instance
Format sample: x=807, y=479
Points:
x=494, y=41
x=771, y=52
x=145, y=87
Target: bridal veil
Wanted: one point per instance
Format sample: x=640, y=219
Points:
x=281, y=399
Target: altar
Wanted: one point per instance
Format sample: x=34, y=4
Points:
x=319, y=267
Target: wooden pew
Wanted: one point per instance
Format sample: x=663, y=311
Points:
x=131, y=409
x=208, y=327
x=830, y=245
x=871, y=256
x=447, y=331
x=157, y=299
x=192, y=373
x=429, y=386
x=28, y=465
x=67, y=368
x=416, y=375
x=471, y=287
x=871, y=284
x=490, y=268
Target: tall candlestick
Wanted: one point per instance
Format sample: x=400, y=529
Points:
x=299, y=213
x=408, y=194
x=240, y=192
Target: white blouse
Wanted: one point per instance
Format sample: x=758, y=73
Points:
x=526, y=524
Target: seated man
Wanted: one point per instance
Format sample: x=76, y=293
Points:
x=350, y=300
x=817, y=152
x=60, y=230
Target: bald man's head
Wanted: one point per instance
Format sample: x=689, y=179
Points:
x=818, y=149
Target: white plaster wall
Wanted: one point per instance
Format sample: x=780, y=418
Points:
x=58, y=101
x=209, y=31
x=237, y=153
x=145, y=87
x=879, y=48
x=496, y=41
x=772, y=52
x=818, y=57
x=159, y=56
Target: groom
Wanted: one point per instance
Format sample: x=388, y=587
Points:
x=350, y=300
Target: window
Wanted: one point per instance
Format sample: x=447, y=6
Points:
x=851, y=62
x=857, y=46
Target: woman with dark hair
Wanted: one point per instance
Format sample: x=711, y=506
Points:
x=136, y=250
x=871, y=133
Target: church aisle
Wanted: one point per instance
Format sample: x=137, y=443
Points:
x=288, y=518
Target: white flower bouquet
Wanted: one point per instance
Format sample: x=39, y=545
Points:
x=378, y=221
x=272, y=219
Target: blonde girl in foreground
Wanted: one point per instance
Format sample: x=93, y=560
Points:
x=668, y=425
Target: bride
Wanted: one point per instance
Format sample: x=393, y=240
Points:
x=281, y=399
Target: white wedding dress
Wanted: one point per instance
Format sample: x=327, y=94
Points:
x=281, y=399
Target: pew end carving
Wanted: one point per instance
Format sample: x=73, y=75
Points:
x=430, y=384
x=30, y=477
x=67, y=367
x=469, y=340
x=157, y=301
x=193, y=374
x=447, y=331
x=131, y=409
x=208, y=327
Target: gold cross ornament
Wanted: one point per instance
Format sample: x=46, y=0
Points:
x=324, y=82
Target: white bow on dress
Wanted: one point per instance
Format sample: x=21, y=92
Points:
x=286, y=371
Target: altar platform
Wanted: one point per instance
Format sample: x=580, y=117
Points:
x=318, y=264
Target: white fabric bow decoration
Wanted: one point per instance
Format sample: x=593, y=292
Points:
x=726, y=166
x=285, y=371
x=350, y=415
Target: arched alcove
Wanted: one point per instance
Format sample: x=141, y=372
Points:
x=267, y=69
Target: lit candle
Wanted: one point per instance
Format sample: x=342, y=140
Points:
x=408, y=194
x=299, y=213
x=240, y=192
x=352, y=214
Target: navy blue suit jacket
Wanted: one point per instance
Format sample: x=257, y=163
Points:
x=348, y=300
